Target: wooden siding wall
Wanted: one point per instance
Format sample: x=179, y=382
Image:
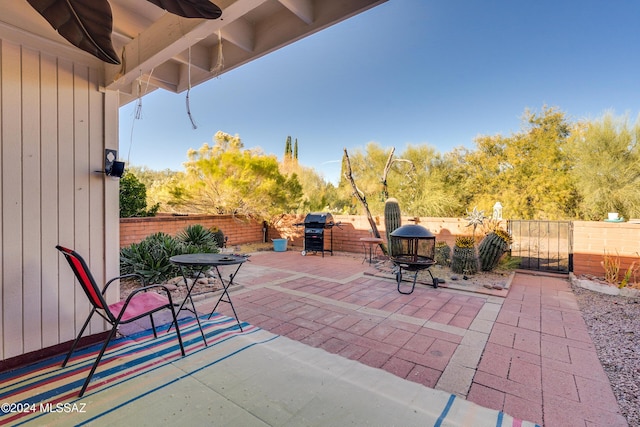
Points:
x=54, y=121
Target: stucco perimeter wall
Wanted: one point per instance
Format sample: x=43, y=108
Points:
x=592, y=238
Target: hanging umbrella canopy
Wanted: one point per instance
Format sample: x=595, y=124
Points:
x=88, y=24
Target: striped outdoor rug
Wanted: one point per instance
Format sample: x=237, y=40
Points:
x=242, y=378
x=47, y=393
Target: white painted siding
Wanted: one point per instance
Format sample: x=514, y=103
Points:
x=54, y=127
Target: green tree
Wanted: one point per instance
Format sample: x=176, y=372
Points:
x=528, y=172
x=226, y=179
x=133, y=198
x=367, y=167
x=607, y=166
x=317, y=193
x=158, y=185
x=424, y=191
x=288, y=151
x=416, y=178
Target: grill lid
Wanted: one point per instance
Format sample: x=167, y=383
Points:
x=318, y=218
x=412, y=231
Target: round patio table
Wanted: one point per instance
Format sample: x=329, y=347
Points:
x=199, y=262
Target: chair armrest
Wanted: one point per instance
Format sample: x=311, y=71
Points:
x=124, y=276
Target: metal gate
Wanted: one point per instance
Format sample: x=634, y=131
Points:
x=543, y=245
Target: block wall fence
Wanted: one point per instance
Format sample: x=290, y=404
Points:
x=590, y=239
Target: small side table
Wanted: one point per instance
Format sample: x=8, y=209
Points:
x=370, y=241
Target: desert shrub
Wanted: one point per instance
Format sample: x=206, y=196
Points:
x=150, y=257
x=508, y=262
x=611, y=266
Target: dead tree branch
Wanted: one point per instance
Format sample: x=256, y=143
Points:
x=363, y=200
x=387, y=168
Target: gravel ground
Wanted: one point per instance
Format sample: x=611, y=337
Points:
x=614, y=326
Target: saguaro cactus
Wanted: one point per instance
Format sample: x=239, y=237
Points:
x=464, y=259
x=392, y=220
x=491, y=249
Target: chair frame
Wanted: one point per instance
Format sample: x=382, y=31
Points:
x=96, y=297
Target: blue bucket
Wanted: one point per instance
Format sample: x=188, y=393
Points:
x=279, y=245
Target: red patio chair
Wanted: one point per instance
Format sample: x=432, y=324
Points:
x=138, y=304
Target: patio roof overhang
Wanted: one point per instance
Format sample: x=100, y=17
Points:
x=168, y=52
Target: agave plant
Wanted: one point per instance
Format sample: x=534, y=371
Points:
x=197, y=238
x=150, y=257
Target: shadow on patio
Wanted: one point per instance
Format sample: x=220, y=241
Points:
x=326, y=342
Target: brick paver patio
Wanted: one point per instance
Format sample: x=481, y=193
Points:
x=528, y=354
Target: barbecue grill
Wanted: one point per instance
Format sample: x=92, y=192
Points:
x=316, y=225
x=413, y=249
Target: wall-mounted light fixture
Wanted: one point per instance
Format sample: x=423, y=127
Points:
x=112, y=167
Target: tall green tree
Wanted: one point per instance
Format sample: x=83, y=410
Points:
x=423, y=191
x=367, y=167
x=415, y=177
x=288, y=152
x=226, y=179
x=317, y=193
x=528, y=172
x=606, y=168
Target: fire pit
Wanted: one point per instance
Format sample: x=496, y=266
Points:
x=412, y=248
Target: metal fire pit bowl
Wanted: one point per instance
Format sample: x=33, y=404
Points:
x=412, y=248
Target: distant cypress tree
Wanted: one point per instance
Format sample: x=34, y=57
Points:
x=295, y=150
x=287, y=149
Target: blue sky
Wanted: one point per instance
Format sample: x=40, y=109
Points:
x=436, y=72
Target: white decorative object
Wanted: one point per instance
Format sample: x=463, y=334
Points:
x=497, y=211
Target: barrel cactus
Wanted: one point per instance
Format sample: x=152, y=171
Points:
x=492, y=247
x=464, y=259
x=392, y=220
x=443, y=254
x=218, y=235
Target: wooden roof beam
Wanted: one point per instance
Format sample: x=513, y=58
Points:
x=241, y=33
x=303, y=9
x=167, y=38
